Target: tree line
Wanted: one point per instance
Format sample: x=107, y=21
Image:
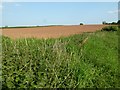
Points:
x=112, y=23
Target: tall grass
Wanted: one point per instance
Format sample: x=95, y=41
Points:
x=0, y=62
x=78, y=61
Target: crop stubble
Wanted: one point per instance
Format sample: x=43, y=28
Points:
x=49, y=32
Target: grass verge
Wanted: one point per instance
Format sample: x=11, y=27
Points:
x=78, y=61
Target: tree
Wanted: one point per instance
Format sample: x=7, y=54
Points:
x=6, y=26
x=113, y=23
x=81, y=23
x=104, y=22
x=118, y=22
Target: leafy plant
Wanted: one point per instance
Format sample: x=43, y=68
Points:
x=71, y=62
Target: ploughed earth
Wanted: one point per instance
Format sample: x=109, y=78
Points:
x=49, y=31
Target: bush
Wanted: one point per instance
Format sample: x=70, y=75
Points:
x=110, y=28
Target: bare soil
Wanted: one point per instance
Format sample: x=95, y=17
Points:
x=49, y=32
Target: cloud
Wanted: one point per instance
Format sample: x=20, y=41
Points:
x=114, y=11
x=1, y=7
x=8, y=0
x=17, y=5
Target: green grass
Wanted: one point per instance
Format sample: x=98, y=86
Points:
x=69, y=62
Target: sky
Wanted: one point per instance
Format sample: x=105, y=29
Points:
x=59, y=13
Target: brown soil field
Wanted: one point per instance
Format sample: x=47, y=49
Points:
x=50, y=31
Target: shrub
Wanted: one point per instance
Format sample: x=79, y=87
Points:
x=110, y=28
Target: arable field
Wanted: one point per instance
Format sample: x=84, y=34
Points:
x=49, y=31
x=77, y=61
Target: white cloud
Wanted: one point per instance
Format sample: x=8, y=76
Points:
x=60, y=0
x=17, y=5
x=114, y=11
x=1, y=7
x=8, y=0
